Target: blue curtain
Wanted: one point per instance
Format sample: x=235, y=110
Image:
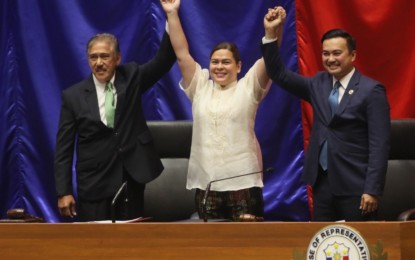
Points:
x=43, y=51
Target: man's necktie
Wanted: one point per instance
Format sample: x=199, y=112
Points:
x=334, y=102
x=334, y=98
x=109, y=104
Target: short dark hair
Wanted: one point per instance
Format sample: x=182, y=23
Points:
x=230, y=47
x=104, y=37
x=334, y=33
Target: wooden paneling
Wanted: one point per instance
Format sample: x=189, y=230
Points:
x=267, y=240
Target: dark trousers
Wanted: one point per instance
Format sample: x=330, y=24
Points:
x=329, y=207
x=129, y=205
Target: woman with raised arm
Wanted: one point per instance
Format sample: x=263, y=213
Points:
x=224, y=144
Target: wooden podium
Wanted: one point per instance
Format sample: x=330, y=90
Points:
x=221, y=240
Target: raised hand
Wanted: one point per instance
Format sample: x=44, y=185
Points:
x=273, y=22
x=170, y=5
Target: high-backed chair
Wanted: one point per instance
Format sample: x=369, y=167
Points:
x=166, y=198
x=399, y=193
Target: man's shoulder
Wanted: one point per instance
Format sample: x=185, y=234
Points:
x=321, y=76
x=80, y=86
x=127, y=67
x=366, y=80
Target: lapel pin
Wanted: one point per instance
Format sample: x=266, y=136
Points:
x=351, y=92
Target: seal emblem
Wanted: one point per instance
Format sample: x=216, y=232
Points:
x=338, y=242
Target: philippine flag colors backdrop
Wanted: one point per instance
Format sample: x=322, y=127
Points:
x=43, y=51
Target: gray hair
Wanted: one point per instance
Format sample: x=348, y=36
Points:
x=111, y=39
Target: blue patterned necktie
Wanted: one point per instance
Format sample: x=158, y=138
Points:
x=109, y=104
x=334, y=102
x=334, y=98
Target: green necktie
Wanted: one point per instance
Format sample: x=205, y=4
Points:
x=109, y=104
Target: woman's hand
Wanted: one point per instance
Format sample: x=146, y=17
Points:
x=170, y=5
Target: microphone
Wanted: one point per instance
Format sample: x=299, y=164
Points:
x=115, y=199
x=269, y=169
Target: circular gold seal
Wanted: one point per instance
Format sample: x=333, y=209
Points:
x=338, y=242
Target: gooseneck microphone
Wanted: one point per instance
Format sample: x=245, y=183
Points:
x=204, y=201
x=115, y=199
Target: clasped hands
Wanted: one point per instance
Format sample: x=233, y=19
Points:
x=273, y=22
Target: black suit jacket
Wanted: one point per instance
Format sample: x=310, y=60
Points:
x=103, y=154
x=358, y=134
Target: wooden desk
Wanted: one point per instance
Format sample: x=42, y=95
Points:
x=267, y=240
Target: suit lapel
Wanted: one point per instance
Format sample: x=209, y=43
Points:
x=327, y=87
x=92, y=99
x=121, y=86
x=349, y=92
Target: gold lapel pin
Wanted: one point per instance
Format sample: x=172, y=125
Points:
x=351, y=92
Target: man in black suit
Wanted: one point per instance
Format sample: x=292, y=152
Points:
x=112, y=147
x=347, y=156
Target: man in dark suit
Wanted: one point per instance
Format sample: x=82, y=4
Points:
x=102, y=120
x=347, y=156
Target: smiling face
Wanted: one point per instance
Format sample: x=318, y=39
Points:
x=223, y=67
x=103, y=59
x=337, y=58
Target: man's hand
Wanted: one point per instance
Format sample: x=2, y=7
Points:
x=273, y=22
x=66, y=205
x=368, y=203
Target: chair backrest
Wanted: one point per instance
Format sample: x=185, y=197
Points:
x=166, y=198
x=399, y=193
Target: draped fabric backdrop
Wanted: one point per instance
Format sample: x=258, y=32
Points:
x=43, y=51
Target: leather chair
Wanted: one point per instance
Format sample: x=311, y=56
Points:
x=166, y=198
x=398, y=200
